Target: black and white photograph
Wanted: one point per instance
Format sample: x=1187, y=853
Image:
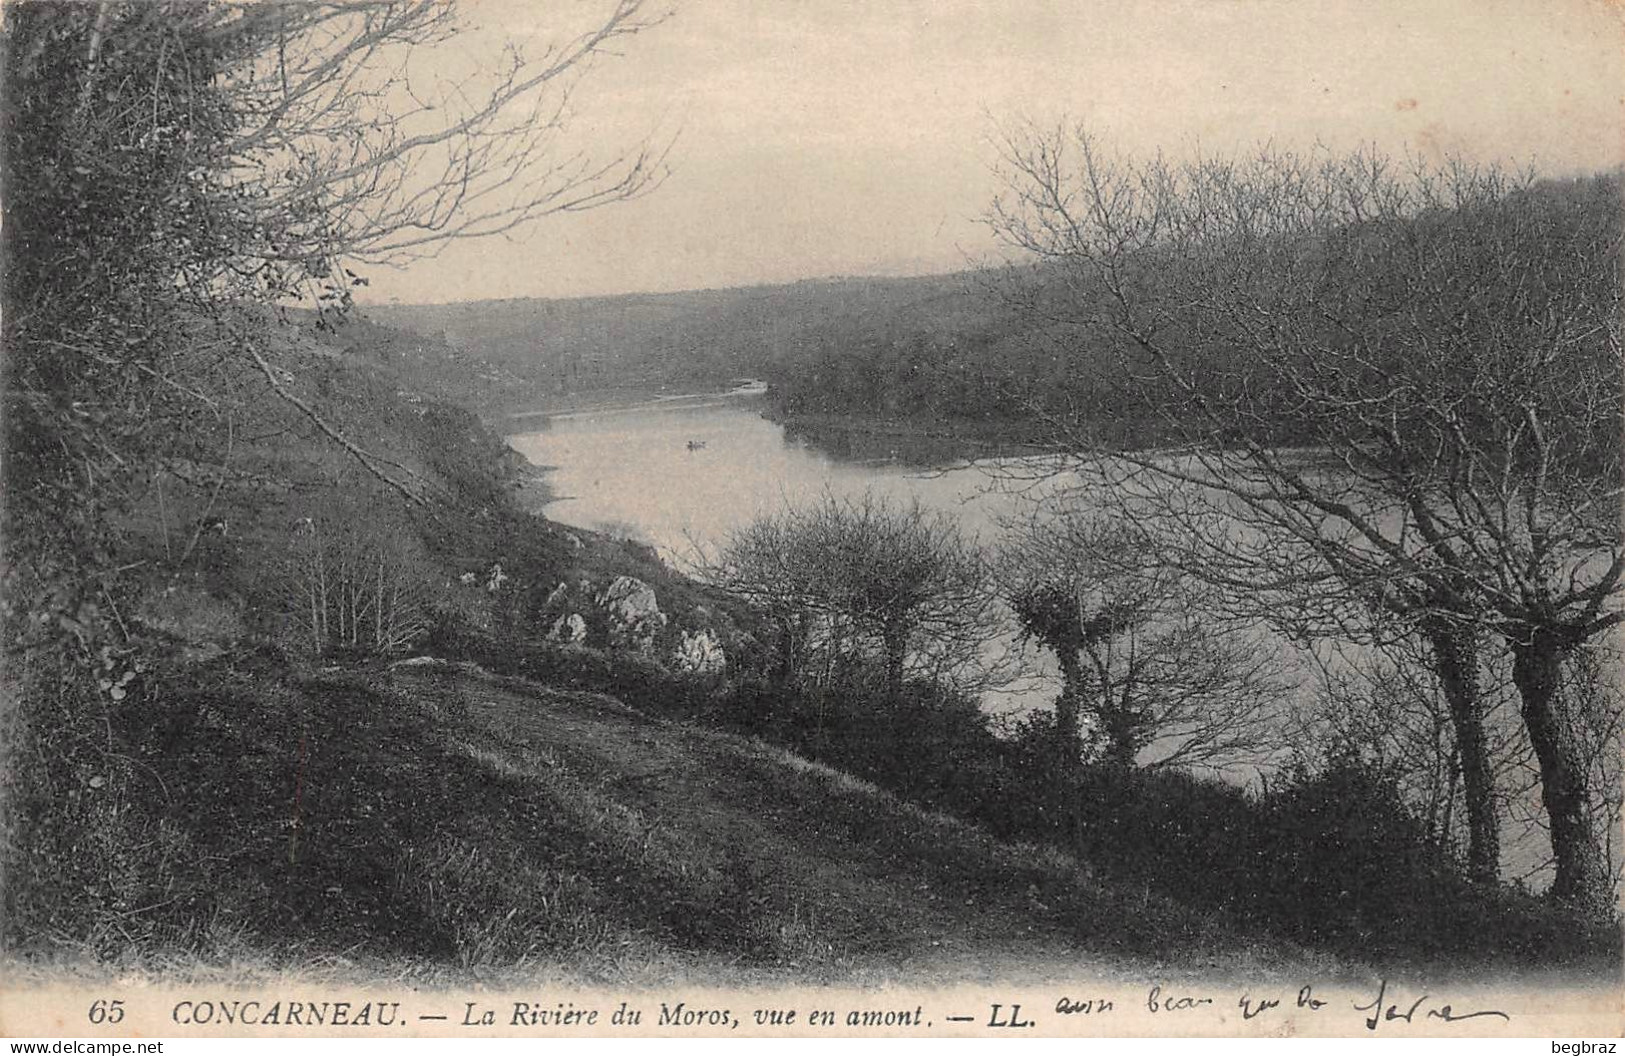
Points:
x=816, y=518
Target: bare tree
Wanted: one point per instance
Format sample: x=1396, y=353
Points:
x=186, y=160
x=1388, y=403
x=854, y=578
x=346, y=148
x=1591, y=688
x=1381, y=703
x=1162, y=680
x=365, y=591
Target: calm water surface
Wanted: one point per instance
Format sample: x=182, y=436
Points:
x=683, y=473
x=642, y=471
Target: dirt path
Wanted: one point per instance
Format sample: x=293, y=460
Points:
x=829, y=861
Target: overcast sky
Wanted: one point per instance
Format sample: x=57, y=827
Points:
x=827, y=137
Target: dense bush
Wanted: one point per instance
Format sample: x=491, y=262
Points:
x=934, y=747
x=1330, y=857
x=1347, y=857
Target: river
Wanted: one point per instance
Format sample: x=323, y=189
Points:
x=681, y=473
x=684, y=471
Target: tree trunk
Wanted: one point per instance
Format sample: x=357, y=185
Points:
x=1582, y=869
x=787, y=652
x=1067, y=706
x=1455, y=657
x=896, y=643
x=1121, y=749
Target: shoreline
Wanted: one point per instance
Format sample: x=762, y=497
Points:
x=615, y=400
x=926, y=442
x=532, y=480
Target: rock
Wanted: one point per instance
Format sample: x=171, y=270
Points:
x=570, y=630
x=575, y=541
x=467, y=579
x=557, y=596
x=700, y=653
x=634, y=613
x=495, y=578
x=631, y=601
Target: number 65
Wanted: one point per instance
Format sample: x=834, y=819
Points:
x=106, y=1011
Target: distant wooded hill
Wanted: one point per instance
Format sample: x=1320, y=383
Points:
x=996, y=353
x=865, y=345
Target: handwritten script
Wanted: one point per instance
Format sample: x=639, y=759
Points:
x=1386, y=1007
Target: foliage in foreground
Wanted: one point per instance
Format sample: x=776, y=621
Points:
x=442, y=816
x=1329, y=856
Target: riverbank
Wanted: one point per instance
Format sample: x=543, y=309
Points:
x=614, y=399
x=915, y=441
x=530, y=415
x=532, y=478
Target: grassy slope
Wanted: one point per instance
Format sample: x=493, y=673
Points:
x=452, y=821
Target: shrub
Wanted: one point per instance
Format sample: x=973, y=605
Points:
x=642, y=682
x=932, y=746
x=353, y=588
x=1348, y=857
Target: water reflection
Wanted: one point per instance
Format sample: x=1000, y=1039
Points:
x=683, y=472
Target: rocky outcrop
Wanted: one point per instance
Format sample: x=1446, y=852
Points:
x=569, y=630
x=700, y=653
x=634, y=613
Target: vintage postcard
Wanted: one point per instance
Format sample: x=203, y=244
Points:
x=717, y=518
